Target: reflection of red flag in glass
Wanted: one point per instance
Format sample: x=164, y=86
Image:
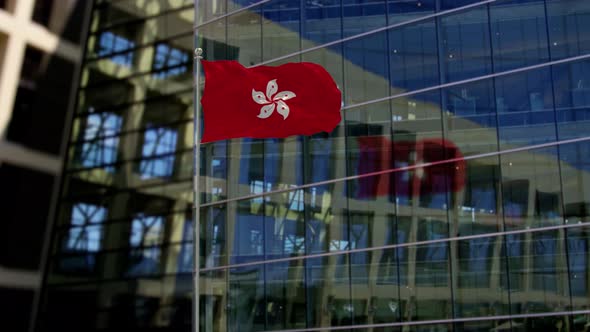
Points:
x=261, y=102
x=374, y=155
x=379, y=153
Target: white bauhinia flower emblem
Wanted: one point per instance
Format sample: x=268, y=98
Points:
x=272, y=100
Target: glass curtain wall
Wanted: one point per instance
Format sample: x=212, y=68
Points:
x=494, y=239
x=121, y=252
x=493, y=235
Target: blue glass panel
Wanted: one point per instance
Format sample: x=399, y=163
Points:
x=531, y=189
x=413, y=57
x=415, y=118
x=280, y=28
x=538, y=273
x=285, y=230
x=321, y=22
x=100, y=143
x=525, y=108
x=360, y=228
x=214, y=244
x=513, y=249
x=575, y=174
x=404, y=10
x=470, y=116
x=479, y=211
x=428, y=274
x=569, y=27
x=392, y=231
x=475, y=262
x=84, y=237
x=451, y=4
x=286, y=301
x=146, y=236
x=321, y=148
x=215, y=169
x=362, y=15
x=544, y=262
x=331, y=59
x=578, y=254
x=465, y=45
x=185, y=256
x=112, y=43
x=169, y=61
x=432, y=265
x=158, y=149
x=369, y=150
x=237, y=4
x=248, y=236
x=246, y=306
x=214, y=306
x=365, y=71
x=478, y=271
x=244, y=32
x=519, y=34
x=572, y=98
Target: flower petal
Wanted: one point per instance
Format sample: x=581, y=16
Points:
x=259, y=97
x=283, y=109
x=285, y=95
x=271, y=88
x=266, y=111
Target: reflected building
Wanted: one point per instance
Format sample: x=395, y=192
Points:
x=496, y=238
x=40, y=57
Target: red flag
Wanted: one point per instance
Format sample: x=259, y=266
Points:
x=378, y=153
x=263, y=102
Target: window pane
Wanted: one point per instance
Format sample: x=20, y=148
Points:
x=146, y=235
x=214, y=296
x=428, y=293
x=158, y=146
x=331, y=59
x=321, y=23
x=413, y=56
x=471, y=117
x=244, y=31
x=369, y=150
x=365, y=69
x=280, y=28
x=519, y=34
x=525, y=109
x=531, y=189
x=569, y=27
x=465, y=45
x=572, y=98
x=246, y=302
x=101, y=143
x=479, y=271
x=537, y=271
x=109, y=42
x=404, y=10
x=84, y=237
x=285, y=295
x=361, y=16
x=575, y=164
x=478, y=208
x=169, y=61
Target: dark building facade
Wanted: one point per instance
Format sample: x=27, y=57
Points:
x=40, y=55
x=481, y=108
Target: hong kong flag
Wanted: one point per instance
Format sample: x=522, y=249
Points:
x=263, y=102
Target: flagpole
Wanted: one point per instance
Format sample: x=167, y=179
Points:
x=196, y=191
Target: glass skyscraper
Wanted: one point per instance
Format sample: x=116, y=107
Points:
x=480, y=109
